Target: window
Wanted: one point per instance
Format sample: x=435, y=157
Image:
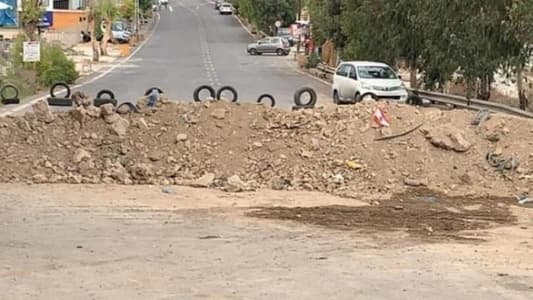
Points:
x=276, y=40
x=264, y=41
x=353, y=74
x=343, y=70
x=376, y=72
x=60, y=4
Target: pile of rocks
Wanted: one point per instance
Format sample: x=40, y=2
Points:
x=245, y=147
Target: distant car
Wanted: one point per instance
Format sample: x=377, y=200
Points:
x=286, y=34
x=218, y=3
x=357, y=80
x=276, y=45
x=226, y=9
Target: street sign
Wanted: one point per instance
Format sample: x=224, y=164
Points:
x=31, y=52
x=278, y=24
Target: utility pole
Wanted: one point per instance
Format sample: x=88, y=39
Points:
x=299, y=10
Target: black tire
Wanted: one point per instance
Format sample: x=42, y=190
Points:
x=101, y=101
x=300, y=92
x=336, y=99
x=196, y=94
x=228, y=88
x=253, y=51
x=53, y=101
x=269, y=97
x=6, y=87
x=61, y=84
x=280, y=52
x=149, y=91
x=131, y=108
x=357, y=98
x=105, y=92
x=9, y=100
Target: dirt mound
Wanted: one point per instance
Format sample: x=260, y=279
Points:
x=244, y=147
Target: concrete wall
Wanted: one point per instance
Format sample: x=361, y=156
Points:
x=70, y=20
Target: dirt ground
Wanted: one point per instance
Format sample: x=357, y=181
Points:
x=81, y=241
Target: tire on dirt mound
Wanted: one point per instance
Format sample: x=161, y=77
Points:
x=228, y=88
x=269, y=97
x=196, y=94
x=298, y=97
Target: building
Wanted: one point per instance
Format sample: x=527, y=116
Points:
x=64, y=17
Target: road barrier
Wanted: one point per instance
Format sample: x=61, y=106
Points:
x=228, y=88
x=109, y=98
x=453, y=100
x=59, y=101
x=196, y=94
x=298, y=98
x=6, y=99
x=269, y=97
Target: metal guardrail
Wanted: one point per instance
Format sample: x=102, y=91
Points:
x=455, y=101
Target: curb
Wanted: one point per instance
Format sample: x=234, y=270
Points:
x=89, y=79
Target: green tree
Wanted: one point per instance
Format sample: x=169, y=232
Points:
x=29, y=17
x=107, y=12
x=264, y=13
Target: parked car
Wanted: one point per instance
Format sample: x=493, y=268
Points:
x=274, y=45
x=218, y=3
x=285, y=33
x=356, y=80
x=226, y=9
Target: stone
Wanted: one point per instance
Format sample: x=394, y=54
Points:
x=219, y=114
x=79, y=114
x=107, y=109
x=141, y=171
x=80, y=99
x=235, y=184
x=415, y=182
x=315, y=144
x=111, y=118
x=80, y=155
x=205, y=181
x=181, y=137
x=39, y=178
x=278, y=183
x=94, y=112
x=306, y=154
x=338, y=179
x=447, y=138
x=119, y=173
x=42, y=111
x=155, y=155
x=257, y=145
x=142, y=124
x=120, y=127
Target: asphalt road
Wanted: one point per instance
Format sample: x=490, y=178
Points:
x=194, y=45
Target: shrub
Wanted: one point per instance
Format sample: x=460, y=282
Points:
x=313, y=61
x=55, y=66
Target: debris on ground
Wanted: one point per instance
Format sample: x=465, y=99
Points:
x=321, y=149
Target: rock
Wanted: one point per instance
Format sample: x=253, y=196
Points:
x=141, y=171
x=107, y=109
x=415, y=182
x=142, y=124
x=447, y=138
x=39, y=178
x=257, y=145
x=120, y=127
x=42, y=111
x=235, y=184
x=338, y=179
x=315, y=144
x=277, y=183
x=94, y=112
x=155, y=155
x=219, y=114
x=119, y=173
x=306, y=154
x=80, y=155
x=78, y=114
x=493, y=137
x=80, y=99
x=181, y=137
x=205, y=181
x=110, y=119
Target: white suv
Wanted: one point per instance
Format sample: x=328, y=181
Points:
x=225, y=9
x=355, y=80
